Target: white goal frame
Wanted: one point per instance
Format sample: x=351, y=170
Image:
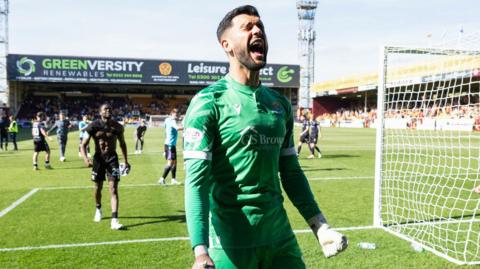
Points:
x=384, y=52
x=156, y=120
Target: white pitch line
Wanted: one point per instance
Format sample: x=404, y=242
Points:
x=66, y=188
x=159, y=185
x=344, y=149
x=122, y=186
x=97, y=243
x=148, y=240
x=370, y=146
x=18, y=202
x=340, y=229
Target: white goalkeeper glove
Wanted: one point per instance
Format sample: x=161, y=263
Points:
x=202, y=259
x=331, y=242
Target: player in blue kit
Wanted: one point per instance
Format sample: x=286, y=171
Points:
x=82, y=125
x=170, y=147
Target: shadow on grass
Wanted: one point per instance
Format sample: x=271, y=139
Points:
x=59, y=167
x=332, y=157
x=154, y=219
x=12, y=153
x=324, y=169
x=438, y=221
x=339, y=156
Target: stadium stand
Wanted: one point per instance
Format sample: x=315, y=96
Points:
x=75, y=107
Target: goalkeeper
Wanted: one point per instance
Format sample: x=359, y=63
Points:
x=238, y=138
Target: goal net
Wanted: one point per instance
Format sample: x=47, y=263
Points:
x=156, y=120
x=428, y=149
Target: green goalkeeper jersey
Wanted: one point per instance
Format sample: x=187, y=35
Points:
x=238, y=143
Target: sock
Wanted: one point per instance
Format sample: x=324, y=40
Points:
x=35, y=164
x=47, y=162
x=312, y=150
x=98, y=206
x=318, y=149
x=298, y=149
x=114, y=215
x=166, y=170
x=174, y=171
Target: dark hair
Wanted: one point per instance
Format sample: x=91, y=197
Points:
x=40, y=114
x=105, y=104
x=226, y=22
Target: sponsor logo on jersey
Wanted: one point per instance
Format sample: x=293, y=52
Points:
x=250, y=136
x=193, y=135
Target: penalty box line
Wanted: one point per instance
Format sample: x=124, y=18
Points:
x=33, y=191
x=149, y=240
x=18, y=202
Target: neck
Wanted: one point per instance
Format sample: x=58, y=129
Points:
x=243, y=75
x=104, y=119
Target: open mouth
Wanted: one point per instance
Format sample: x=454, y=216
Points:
x=257, y=48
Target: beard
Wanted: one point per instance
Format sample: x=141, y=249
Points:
x=245, y=59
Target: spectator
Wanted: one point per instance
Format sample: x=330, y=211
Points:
x=13, y=131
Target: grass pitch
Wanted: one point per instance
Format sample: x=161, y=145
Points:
x=54, y=228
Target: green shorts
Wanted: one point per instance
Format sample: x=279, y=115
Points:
x=282, y=254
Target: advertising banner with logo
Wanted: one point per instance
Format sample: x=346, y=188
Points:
x=71, y=69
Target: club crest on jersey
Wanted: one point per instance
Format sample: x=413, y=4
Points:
x=193, y=135
x=237, y=108
x=277, y=108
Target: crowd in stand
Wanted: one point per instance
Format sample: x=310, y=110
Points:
x=350, y=114
x=75, y=107
x=131, y=110
x=161, y=107
x=414, y=116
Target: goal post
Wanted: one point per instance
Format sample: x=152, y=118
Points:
x=156, y=120
x=428, y=149
x=377, y=220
